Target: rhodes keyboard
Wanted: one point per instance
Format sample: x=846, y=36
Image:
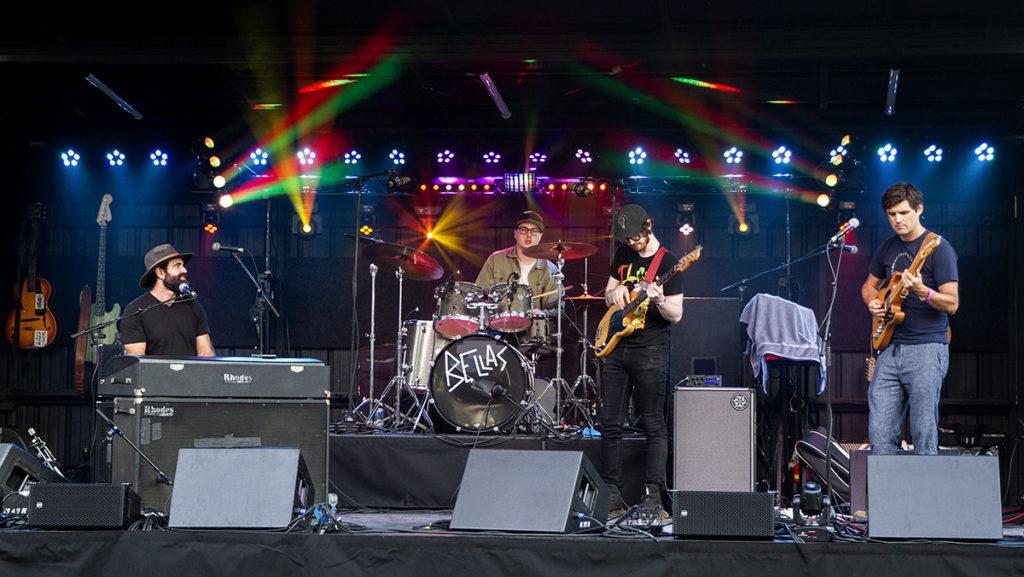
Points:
x=215, y=377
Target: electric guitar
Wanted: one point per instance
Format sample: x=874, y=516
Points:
x=34, y=323
x=98, y=311
x=618, y=324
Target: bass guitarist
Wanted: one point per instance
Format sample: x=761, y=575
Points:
x=909, y=372
x=643, y=357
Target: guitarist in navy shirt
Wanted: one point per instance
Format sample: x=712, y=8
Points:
x=909, y=372
x=643, y=357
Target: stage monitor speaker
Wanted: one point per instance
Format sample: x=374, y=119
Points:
x=934, y=497
x=723, y=514
x=239, y=488
x=535, y=491
x=18, y=472
x=710, y=342
x=83, y=505
x=161, y=426
x=713, y=439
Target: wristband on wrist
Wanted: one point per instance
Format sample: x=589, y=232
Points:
x=930, y=294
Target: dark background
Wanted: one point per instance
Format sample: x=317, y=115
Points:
x=574, y=75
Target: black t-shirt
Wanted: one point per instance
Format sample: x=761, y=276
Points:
x=166, y=330
x=630, y=268
x=922, y=323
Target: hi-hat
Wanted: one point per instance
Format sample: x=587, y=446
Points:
x=569, y=250
x=416, y=265
x=584, y=297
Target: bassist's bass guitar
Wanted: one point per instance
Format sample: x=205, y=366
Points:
x=618, y=324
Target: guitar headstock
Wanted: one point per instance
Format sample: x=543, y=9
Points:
x=103, y=217
x=37, y=211
x=690, y=258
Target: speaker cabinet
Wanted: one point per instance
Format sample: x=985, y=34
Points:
x=934, y=497
x=713, y=439
x=83, y=505
x=18, y=472
x=239, y=488
x=162, y=426
x=535, y=491
x=723, y=514
x=710, y=341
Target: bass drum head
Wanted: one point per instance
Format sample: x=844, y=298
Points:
x=478, y=383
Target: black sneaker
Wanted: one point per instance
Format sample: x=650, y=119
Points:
x=651, y=508
x=616, y=507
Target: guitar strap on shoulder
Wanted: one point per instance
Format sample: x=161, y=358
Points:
x=927, y=239
x=652, y=271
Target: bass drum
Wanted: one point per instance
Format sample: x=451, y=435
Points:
x=478, y=383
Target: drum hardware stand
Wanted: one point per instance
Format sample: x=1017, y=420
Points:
x=563, y=393
x=578, y=404
x=368, y=401
x=399, y=382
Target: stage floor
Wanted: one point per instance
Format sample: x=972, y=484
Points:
x=389, y=544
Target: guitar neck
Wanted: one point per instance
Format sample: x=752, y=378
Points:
x=31, y=278
x=639, y=300
x=101, y=272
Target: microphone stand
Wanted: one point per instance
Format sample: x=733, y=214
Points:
x=258, y=308
x=742, y=284
x=114, y=429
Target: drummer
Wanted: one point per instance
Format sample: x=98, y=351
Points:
x=508, y=264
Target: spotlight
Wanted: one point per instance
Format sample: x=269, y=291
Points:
x=933, y=153
x=743, y=227
x=259, y=157
x=219, y=181
x=837, y=155
x=781, y=155
x=158, y=157
x=472, y=187
x=824, y=200
x=685, y=218
x=984, y=152
x=583, y=156
x=637, y=156
x=208, y=142
x=682, y=156
x=445, y=156
x=115, y=158
x=211, y=218
x=538, y=158
x=733, y=155
x=423, y=188
x=551, y=187
x=225, y=201
x=352, y=157
x=215, y=161
x=745, y=222
x=397, y=157
x=831, y=179
x=887, y=153
x=430, y=235
x=492, y=157
x=69, y=157
x=312, y=227
x=307, y=157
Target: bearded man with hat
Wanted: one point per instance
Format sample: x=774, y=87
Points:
x=640, y=361
x=165, y=321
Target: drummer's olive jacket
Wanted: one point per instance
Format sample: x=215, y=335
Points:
x=502, y=263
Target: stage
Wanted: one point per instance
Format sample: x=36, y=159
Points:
x=388, y=545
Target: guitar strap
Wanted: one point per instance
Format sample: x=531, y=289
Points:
x=927, y=238
x=652, y=271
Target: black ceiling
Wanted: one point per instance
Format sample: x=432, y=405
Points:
x=561, y=66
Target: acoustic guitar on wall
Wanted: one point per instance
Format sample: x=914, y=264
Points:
x=32, y=320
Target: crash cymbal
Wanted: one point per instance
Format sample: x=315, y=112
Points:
x=415, y=264
x=570, y=250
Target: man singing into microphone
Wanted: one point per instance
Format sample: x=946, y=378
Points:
x=173, y=323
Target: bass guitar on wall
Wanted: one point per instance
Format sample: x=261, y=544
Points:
x=95, y=313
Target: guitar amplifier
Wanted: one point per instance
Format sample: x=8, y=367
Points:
x=82, y=505
x=160, y=426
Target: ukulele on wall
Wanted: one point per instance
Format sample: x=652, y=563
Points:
x=32, y=320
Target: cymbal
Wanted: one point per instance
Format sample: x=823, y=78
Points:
x=585, y=297
x=363, y=239
x=570, y=250
x=416, y=265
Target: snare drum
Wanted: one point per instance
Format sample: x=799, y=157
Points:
x=422, y=345
x=514, y=304
x=454, y=318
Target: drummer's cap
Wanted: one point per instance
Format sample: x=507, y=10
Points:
x=532, y=218
x=629, y=221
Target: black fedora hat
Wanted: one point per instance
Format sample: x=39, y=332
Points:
x=156, y=256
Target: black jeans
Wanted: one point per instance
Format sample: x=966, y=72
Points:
x=647, y=369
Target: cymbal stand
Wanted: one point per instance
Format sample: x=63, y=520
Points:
x=563, y=393
x=369, y=401
x=584, y=384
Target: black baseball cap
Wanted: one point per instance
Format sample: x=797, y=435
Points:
x=629, y=221
x=532, y=218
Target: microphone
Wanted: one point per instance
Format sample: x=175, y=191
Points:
x=852, y=249
x=846, y=226
x=225, y=248
x=186, y=291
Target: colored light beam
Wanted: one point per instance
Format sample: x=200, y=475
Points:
x=708, y=85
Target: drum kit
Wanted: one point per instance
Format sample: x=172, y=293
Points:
x=475, y=360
